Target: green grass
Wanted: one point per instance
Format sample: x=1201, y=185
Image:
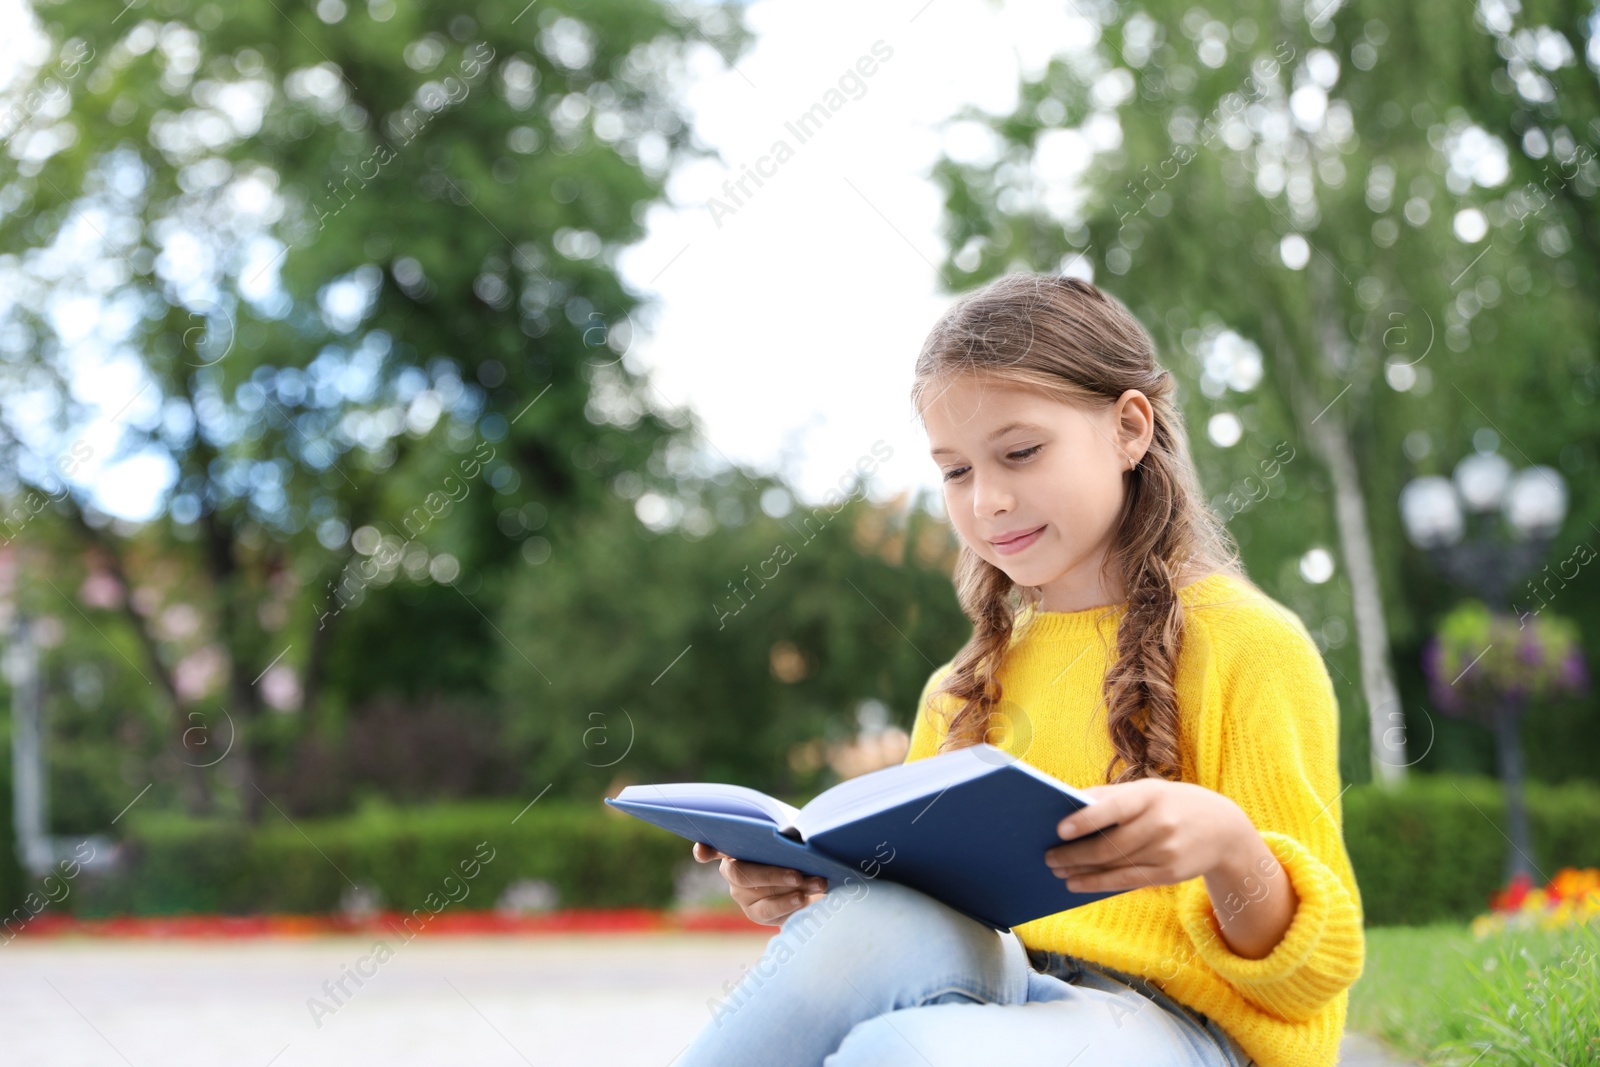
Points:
x=1437, y=996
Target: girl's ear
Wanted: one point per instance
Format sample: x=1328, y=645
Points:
x=1136, y=424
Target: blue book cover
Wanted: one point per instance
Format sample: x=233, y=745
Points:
x=969, y=828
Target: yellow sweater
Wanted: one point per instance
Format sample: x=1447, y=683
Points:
x=1259, y=724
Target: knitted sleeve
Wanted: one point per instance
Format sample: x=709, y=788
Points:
x=1274, y=752
x=925, y=732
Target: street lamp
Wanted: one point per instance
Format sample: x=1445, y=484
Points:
x=1453, y=520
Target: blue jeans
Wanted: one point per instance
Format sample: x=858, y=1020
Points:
x=875, y=973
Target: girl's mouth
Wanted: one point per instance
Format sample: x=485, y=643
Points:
x=1017, y=544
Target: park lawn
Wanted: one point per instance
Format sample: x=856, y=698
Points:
x=1436, y=995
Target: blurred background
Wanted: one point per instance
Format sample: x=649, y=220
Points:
x=420, y=421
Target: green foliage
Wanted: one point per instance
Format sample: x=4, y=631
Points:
x=1434, y=850
x=13, y=882
x=1487, y=662
x=364, y=267
x=710, y=658
x=594, y=858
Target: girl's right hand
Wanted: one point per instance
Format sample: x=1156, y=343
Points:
x=765, y=893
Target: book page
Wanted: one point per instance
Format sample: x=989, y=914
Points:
x=891, y=786
x=715, y=797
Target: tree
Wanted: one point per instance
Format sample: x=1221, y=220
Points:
x=1266, y=195
x=718, y=642
x=357, y=263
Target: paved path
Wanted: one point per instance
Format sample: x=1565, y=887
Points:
x=546, y=1001
x=1359, y=1050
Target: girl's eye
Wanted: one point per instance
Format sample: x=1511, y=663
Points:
x=951, y=475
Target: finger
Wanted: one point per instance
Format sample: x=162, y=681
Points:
x=774, y=908
x=705, y=853
x=752, y=897
x=1109, y=879
x=1076, y=876
x=747, y=895
x=1108, y=808
x=746, y=873
x=792, y=902
x=786, y=898
x=1111, y=847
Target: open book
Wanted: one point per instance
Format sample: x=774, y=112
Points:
x=969, y=828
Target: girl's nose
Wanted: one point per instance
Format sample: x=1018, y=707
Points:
x=991, y=495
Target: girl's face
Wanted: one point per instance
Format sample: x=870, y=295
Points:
x=1034, y=485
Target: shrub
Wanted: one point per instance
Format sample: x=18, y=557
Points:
x=594, y=859
x=1435, y=849
x=1432, y=851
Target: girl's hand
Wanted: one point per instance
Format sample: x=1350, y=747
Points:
x=1169, y=832
x=1166, y=832
x=767, y=894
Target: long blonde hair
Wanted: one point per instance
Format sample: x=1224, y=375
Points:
x=1066, y=339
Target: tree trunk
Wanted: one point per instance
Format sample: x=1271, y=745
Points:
x=242, y=674
x=196, y=785
x=1386, y=720
x=1508, y=756
x=1324, y=425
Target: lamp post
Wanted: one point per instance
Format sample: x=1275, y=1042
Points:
x=1454, y=521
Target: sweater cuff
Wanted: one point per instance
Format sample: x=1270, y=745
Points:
x=1319, y=956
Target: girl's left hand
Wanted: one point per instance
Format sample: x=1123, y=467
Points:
x=1166, y=832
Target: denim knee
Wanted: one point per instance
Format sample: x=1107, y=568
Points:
x=876, y=1042
x=898, y=948
x=866, y=918
x=904, y=1039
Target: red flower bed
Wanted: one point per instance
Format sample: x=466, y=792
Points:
x=1572, y=898
x=563, y=921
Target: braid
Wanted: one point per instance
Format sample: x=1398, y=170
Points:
x=988, y=599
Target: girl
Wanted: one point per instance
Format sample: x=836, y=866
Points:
x=1095, y=577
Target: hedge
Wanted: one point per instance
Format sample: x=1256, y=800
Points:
x=1430, y=852
x=1436, y=849
x=593, y=858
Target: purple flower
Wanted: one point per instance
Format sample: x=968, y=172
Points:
x=1574, y=672
x=1487, y=662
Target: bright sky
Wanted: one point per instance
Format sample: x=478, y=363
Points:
x=791, y=322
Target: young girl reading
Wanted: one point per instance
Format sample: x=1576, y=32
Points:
x=1118, y=646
